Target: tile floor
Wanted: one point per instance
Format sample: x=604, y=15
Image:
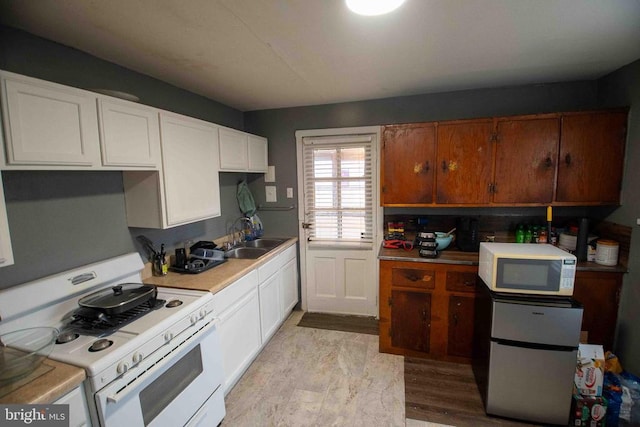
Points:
x=316, y=377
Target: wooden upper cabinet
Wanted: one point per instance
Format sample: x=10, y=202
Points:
x=525, y=161
x=591, y=157
x=464, y=162
x=408, y=164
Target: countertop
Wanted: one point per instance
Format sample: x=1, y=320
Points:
x=456, y=256
x=49, y=382
x=218, y=277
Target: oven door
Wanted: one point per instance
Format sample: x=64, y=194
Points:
x=169, y=391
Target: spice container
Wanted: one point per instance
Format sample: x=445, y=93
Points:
x=607, y=252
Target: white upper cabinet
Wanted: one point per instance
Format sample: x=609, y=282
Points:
x=47, y=124
x=129, y=134
x=242, y=152
x=258, y=153
x=190, y=156
x=6, y=252
x=187, y=187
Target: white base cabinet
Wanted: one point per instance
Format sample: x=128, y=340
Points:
x=240, y=338
x=78, y=409
x=252, y=309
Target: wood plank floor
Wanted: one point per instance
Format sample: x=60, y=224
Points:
x=339, y=322
x=446, y=393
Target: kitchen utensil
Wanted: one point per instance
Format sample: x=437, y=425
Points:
x=448, y=233
x=148, y=245
x=443, y=240
x=23, y=350
x=119, y=299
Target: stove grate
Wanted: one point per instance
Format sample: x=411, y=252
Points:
x=102, y=325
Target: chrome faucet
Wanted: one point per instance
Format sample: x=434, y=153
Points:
x=233, y=230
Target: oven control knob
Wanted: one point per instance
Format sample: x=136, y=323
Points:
x=203, y=313
x=137, y=357
x=168, y=336
x=193, y=319
x=122, y=367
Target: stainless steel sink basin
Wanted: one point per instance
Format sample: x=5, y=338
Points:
x=263, y=243
x=245, y=253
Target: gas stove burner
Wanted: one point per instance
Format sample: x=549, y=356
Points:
x=100, y=345
x=173, y=303
x=66, y=336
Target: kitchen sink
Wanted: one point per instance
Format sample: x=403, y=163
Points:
x=263, y=243
x=245, y=253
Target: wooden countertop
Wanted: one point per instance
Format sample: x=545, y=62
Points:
x=49, y=382
x=455, y=256
x=218, y=277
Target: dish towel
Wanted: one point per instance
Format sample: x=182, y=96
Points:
x=245, y=199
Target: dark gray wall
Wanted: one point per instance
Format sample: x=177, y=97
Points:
x=61, y=220
x=623, y=88
x=280, y=125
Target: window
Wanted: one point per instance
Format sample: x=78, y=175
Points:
x=338, y=186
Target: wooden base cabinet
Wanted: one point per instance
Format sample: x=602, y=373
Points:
x=599, y=293
x=426, y=309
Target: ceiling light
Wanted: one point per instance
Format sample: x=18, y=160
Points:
x=373, y=7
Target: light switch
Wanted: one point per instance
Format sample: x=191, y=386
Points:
x=270, y=191
x=289, y=193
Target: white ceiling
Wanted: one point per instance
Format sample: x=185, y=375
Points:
x=262, y=54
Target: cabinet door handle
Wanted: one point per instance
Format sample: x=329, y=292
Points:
x=426, y=166
x=455, y=319
x=469, y=284
x=424, y=314
x=548, y=163
x=567, y=159
x=444, y=166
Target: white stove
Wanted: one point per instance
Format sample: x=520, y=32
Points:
x=136, y=354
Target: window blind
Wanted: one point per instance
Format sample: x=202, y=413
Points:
x=338, y=188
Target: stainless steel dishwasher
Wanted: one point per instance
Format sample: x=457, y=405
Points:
x=530, y=347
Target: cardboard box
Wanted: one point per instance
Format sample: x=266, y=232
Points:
x=588, y=411
x=590, y=370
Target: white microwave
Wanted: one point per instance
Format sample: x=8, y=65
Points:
x=527, y=268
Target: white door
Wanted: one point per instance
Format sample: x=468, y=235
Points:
x=339, y=219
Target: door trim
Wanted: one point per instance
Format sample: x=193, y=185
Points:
x=300, y=134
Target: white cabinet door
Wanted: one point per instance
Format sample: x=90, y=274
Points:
x=258, y=154
x=233, y=150
x=6, y=252
x=189, y=160
x=48, y=124
x=270, y=312
x=78, y=410
x=130, y=134
x=240, y=337
x=289, y=287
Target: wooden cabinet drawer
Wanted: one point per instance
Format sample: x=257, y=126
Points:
x=413, y=278
x=462, y=281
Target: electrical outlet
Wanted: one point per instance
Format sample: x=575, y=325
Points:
x=270, y=193
x=289, y=193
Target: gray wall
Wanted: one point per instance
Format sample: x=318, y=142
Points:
x=61, y=220
x=279, y=125
x=623, y=88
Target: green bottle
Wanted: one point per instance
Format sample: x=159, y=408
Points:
x=528, y=235
x=520, y=233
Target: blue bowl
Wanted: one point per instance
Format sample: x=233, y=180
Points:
x=443, y=240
